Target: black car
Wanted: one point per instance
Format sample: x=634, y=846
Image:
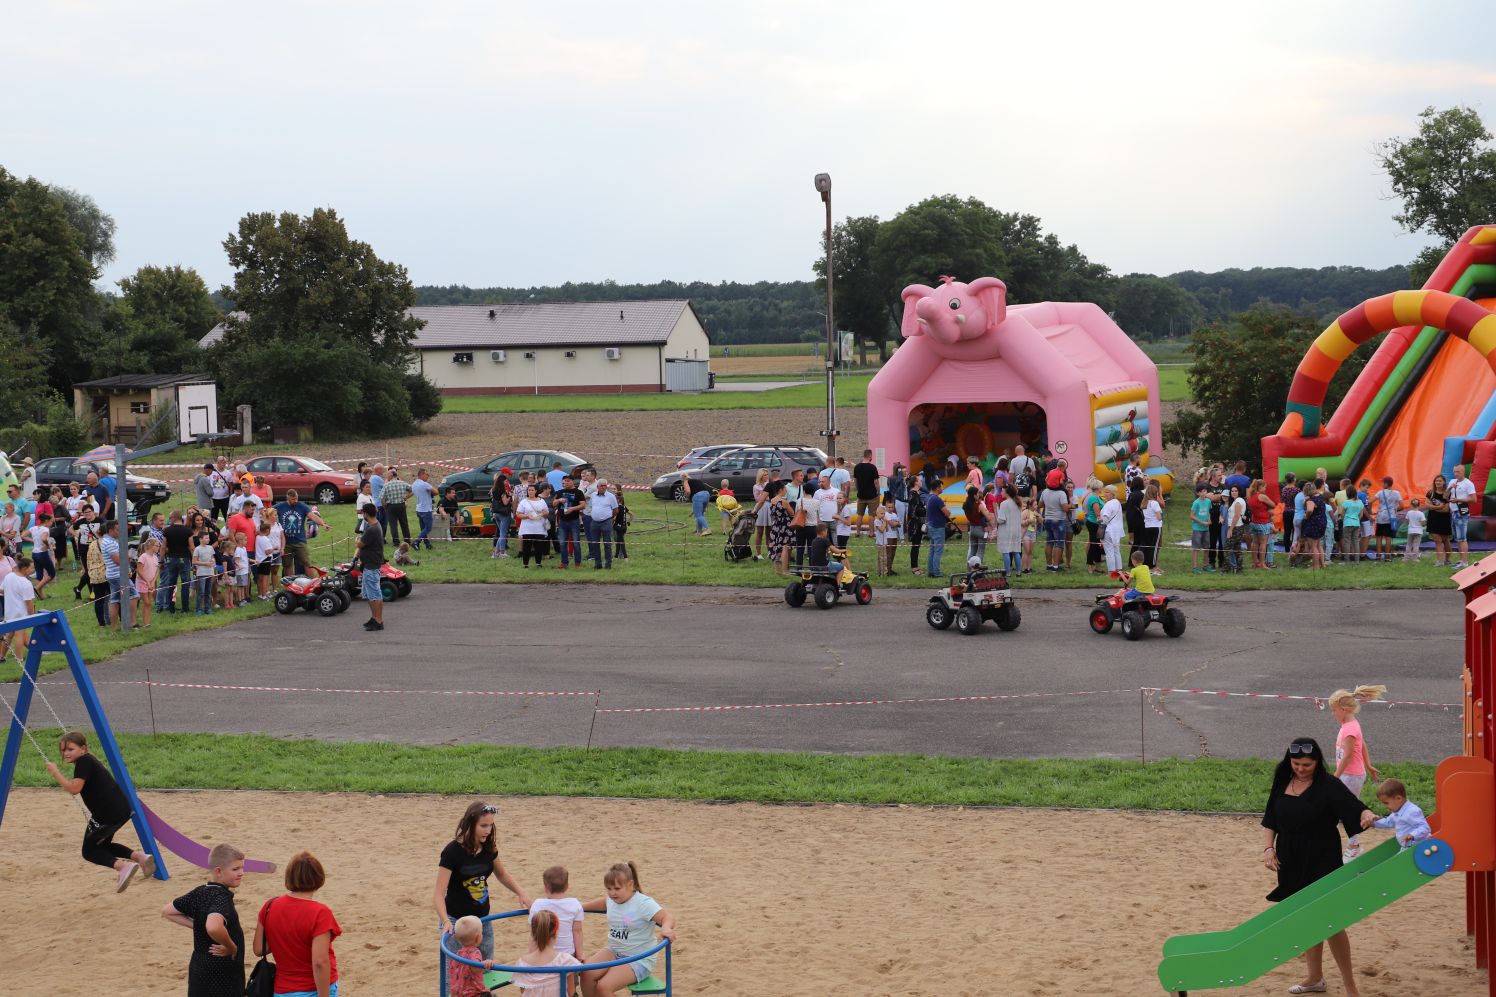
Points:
x=740, y=467
x=479, y=480
x=141, y=492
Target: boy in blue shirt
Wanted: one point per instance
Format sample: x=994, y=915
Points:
x=1200, y=527
x=1404, y=818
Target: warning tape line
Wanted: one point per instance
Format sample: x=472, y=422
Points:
x=1319, y=701
x=862, y=702
x=300, y=689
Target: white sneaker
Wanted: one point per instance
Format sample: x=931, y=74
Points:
x=148, y=867
x=1351, y=853
x=125, y=875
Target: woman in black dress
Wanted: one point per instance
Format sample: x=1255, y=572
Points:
x=1302, y=843
x=1439, y=526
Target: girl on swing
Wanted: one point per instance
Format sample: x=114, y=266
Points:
x=108, y=810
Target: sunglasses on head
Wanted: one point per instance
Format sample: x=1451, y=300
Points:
x=489, y=808
x=1300, y=749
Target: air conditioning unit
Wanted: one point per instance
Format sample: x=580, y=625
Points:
x=571, y=354
x=530, y=355
x=497, y=356
x=613, y=353
x=462, y=358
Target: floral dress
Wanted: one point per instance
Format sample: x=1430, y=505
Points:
x=781, y=534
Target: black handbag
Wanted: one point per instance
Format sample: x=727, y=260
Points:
x=262, y=978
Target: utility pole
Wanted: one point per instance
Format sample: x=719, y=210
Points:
x=823, y=184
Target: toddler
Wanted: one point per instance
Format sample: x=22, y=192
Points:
x=632, y=917
x=240, y=589
x=1404, y=817
x=464, y=980
x=223, y=572
x=568, y=910
x=10, y=525
x=1416, y=520
x=543, y=952
x=727, y=503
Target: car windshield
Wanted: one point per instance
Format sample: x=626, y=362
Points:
x=312, y=464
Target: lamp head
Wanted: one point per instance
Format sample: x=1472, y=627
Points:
x=823, y=184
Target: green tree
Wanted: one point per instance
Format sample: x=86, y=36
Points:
x=1239, y=380
x=1445, y=177
x=46, y=280
x=323, y=335
x=95, y=229
x=1152, y=307
x=860, y=301
x=155, y=324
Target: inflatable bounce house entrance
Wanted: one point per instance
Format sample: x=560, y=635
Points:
x=975, y=377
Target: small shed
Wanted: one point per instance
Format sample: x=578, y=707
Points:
x=125, y=406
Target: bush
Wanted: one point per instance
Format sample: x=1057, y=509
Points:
x=60, y=435
x=425, y=397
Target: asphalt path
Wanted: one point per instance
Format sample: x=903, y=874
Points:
x=447, y=648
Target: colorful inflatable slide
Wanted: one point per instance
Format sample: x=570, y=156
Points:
x=1425, y=400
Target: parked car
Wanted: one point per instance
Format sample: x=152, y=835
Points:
x=311, y=478
x=142, y=493
x=476, y=483
x=702, y=456
x=740, y=467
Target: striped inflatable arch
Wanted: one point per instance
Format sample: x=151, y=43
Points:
x=1458, y=316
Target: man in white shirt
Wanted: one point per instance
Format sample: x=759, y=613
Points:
x=19, y=604
x=222, y=480
x=600, y=510
x=1461, y=496
x=828, y=499
x=244, y=497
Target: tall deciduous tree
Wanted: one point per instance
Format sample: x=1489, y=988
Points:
x=1149, y=306
x=859, y=297
x=1445, y=177
x=322, y=336
x=155, y=324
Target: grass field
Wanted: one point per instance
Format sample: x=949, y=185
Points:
x=851, y=390
x=215, y=761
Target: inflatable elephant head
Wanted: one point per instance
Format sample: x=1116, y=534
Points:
x=954, y=313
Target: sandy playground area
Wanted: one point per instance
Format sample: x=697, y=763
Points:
x=778, y=901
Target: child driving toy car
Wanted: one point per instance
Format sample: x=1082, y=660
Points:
x=1139, y=580
x=822, y=554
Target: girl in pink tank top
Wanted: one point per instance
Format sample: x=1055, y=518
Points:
x=1352, y=758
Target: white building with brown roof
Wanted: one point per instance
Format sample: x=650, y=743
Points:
x=556, y=348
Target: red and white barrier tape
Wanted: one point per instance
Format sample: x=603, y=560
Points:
x=303, y=689
x=861, y=702
x=1318, y=701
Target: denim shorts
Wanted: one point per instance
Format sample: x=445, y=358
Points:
x=1199, y=539
x=369, y=585
x=1056, y=531
x=1459, y=526
x=114, y=588
x=1262, y=529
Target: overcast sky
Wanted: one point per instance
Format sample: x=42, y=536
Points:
x=515, y=144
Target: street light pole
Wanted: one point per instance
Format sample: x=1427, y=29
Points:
x=823, y=184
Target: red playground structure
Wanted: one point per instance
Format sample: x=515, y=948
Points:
x=1478, y=583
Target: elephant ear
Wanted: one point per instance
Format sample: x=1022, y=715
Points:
x=993, y=294
x=912, y=296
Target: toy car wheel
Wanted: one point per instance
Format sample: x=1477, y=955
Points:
x=344, y=599
x=285, y=603
x=388, y=590
x=1008, y=617
x=403, y=586
x=1174, y=622
x=1101, y=620
x=863, y=593
x=825, y=596
x=327, y=495
x=968, y=620
x=1133, y=625
x=939, y=616
x=328, y=604
x=794, y=594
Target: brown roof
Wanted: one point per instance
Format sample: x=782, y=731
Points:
x=580, y=323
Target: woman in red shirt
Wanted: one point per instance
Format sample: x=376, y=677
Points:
x=298, y=932
x=1260, y=511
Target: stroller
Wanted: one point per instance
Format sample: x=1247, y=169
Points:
x=739, y=544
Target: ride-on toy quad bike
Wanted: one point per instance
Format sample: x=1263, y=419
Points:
x=1136, y=614
x=393, y=583
x=972, y=599
x=317, y=590
x=828, y=589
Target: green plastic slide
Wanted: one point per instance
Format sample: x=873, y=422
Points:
x=1281, y=933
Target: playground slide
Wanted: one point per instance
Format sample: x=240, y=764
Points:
x=179, y=844
x=1279, y=934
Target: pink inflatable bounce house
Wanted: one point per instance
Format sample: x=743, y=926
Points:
x=974, y=376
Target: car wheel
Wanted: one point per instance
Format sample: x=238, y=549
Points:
x=864, y=594
x=388, y=591
x=403, y=587
x=825, y=596
x=677, y=492
x=939, y=616
x=464, y=492
x=1133, y=625
x=794, y=594
x=285, y=603
x=968, y=620
x=329, y=604
x=1174, y=622
x=327, y=494
x=1101, y=620
x=1008, y=617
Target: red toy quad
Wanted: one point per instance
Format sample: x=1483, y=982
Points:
x=1136, y=614
x=318, y=590
x=393, y=583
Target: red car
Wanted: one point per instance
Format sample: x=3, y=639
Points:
x=313, y=480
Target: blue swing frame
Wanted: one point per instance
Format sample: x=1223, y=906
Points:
x=50, y=632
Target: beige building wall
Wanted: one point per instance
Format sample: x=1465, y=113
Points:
x=688, y=341
x=590, y=371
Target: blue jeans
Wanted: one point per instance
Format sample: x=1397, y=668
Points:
x=204, y=587
x=332, y=991
x=698, y=509
x=503, y=521
x=424, y=518
x=1013, y=562
x=174, y=570
x=600, y=534
x=1459, y=526
x=587, y=536
x=936, y=536
x=568, y=535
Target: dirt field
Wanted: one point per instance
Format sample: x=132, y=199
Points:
x=779, y=901
x=632, y=447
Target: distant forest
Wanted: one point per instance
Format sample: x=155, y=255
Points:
x=791, y=311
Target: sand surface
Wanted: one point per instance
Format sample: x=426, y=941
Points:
x=770, y=900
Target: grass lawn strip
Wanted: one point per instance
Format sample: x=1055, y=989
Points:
x=213, y=761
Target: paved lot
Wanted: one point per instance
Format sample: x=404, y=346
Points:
x=647, y=646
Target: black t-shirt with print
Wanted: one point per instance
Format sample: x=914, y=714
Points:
x=209, y=974
x=866, y=476
x=101, y=794
x=467, y=890
x=566, y=498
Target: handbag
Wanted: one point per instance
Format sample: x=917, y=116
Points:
x=798, y=520
x=261, y=981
